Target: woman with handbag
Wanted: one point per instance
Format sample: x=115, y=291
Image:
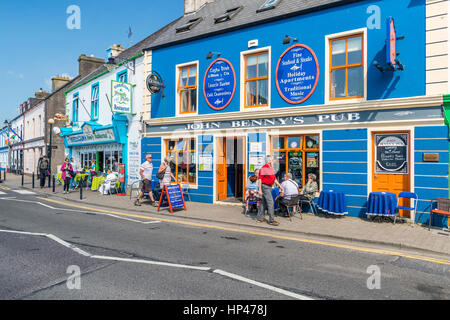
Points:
x=164, y=174
x=66, y=170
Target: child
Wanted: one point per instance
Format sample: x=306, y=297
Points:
x=252, y=193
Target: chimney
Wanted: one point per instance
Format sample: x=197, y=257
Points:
x=41, y=94
x=191, y=6
x=88, y=64
x=114, y=51
x=58, y=82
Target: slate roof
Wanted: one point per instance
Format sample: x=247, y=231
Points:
x=247, y=17
x=128, y=53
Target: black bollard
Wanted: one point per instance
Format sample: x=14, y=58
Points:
x=54, y=181
x=32, y=180
x=81, y=190
x=22, y=178
x=4, y=175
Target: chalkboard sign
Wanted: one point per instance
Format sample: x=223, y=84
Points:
x=219, y=84
x=297, y=74
x=391, y=153
x=172, y=196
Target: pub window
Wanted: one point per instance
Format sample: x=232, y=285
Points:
x=122, y=76
x=347, y=67
x=297, y=154
x=257, y=79
x=182, y=156
x=187, y=89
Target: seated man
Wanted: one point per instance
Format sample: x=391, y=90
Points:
x=290, y=188
x=106, y=185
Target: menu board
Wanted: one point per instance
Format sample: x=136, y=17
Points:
x=219, y=84
x=172, y=196
x=297, y=74
x=391, y=153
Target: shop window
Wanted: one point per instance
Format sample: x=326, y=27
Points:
x=297, y=154
x=182, y=156
x=347, y=67
x=94, y=102
x=187, y=89
x=256, y=79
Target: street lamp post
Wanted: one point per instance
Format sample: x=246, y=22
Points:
x=51, y=121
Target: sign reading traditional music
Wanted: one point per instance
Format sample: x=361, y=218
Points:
x=219, y=84
x=297, y=74
x=121, y=97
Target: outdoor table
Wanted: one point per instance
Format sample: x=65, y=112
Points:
x=382, y=204
x=333, y=202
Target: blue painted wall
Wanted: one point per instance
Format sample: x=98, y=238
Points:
x=311, y=30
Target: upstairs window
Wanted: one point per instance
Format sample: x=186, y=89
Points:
x=75, y=107
x=94, y=102
x=347, y=67
x=187, y=89
x=122, y=76
x=257, y=79
x=189, y=25
x=229, y=14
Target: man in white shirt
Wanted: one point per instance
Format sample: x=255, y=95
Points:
x=290, y=190
x=146, y=173
x=106, y=185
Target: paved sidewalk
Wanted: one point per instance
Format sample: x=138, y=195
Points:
x=400, y=235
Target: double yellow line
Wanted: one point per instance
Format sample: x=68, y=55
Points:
x=263, y=234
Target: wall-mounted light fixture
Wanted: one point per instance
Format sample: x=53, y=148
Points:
x=287, y=39
x=211, y=54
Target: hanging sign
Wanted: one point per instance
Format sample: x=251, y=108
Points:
x=154, y=82
x=121, y=97
x=219, y=84
x=172, y=196
x=391, y=51
x=391, y=153
x=297, y=74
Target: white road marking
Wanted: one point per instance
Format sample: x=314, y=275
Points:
x=262, y=285
x=23, y=192
x=2, y=193
x=80, y=211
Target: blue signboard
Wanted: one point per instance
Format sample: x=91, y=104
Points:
x=297, y=74
x=172, y=196
x=219, y=84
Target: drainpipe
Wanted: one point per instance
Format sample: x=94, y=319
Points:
x=446, y=107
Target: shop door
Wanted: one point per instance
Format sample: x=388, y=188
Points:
x=221, y=172
x=391, y=164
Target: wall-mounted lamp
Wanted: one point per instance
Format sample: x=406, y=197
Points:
x=287, y=39
x=211, y=54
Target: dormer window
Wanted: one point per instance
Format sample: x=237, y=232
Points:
x=228, y=15
x=269, y=5
x=189, y=25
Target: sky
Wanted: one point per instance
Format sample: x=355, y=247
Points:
x=37, y=45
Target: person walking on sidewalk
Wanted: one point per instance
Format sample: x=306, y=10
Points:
x=146, y=173
x=168, y=176
x=266, y=180
x=66, y=170
x=43, y=170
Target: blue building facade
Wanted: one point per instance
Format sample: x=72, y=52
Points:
x=336, y=88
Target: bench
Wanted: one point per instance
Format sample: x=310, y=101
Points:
x=443, y=208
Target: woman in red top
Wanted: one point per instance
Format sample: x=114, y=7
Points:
x=266, y=180
x=66, y=175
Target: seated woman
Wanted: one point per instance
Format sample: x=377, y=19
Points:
x=106, y=185
x=309, y=190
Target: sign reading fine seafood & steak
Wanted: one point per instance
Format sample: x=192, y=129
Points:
x=297, y=74
x=219, y=84
x=91, y=137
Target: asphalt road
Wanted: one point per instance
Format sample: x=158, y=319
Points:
x=142, y=259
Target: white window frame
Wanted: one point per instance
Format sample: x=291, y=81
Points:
x=242, y=98
x=177, y=96
x=327, y=66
